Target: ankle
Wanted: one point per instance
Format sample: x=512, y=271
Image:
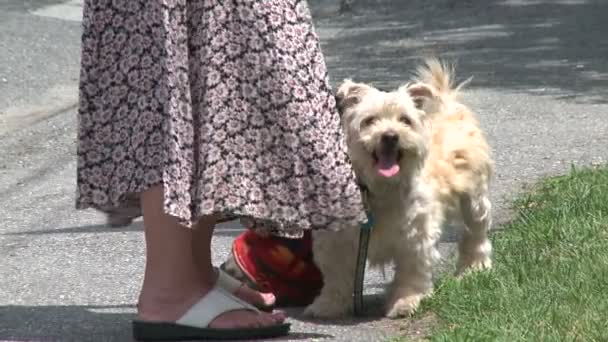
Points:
x=168, y=303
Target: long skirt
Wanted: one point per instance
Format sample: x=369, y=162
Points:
x=225, y=104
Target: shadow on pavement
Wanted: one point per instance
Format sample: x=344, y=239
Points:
x=372, y=306
x=81, y=323
x=65, y=323
x=96, y=228
x=29, y=5
x=551, y=47
x=228, y=229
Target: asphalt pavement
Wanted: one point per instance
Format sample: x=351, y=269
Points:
x=540, y=88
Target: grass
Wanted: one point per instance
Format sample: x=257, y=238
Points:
x=550, y=275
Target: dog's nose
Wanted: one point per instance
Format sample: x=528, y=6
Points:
x=390, y=138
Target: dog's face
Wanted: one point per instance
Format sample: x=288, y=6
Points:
x=386, y=133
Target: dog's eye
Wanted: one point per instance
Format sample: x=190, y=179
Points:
x=406, y=120
x=368, y=121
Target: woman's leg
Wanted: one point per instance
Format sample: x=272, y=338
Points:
x=173, y=281
x=203, y=257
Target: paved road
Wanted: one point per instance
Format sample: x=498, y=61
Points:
x=540, y=87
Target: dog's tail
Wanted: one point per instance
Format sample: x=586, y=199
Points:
x=439, y=75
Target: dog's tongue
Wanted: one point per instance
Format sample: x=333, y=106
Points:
x=387, y=165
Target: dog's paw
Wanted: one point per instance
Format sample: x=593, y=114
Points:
x=404, y=307
x=473, y=265
x=327, y=309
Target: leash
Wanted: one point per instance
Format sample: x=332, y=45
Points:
x=364, y=235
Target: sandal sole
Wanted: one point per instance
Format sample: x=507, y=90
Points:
x=153, y=331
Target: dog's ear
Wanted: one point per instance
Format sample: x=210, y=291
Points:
x=349, y=94
x=425, y=97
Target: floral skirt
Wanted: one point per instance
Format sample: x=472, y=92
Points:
x=225, y=104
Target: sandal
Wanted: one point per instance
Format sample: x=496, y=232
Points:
x=194, y=324
x=232, y=285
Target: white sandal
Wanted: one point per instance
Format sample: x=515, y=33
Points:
x=194, y=324
x=232, y=285
x=227, y=282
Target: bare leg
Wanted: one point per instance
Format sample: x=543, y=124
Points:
x=173, y=282
x=201, y=255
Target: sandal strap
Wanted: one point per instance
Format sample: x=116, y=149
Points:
x=215, y=303
x=227, y=282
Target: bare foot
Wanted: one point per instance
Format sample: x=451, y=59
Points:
x=253, y=297
x=171, y=306
x=178, y=269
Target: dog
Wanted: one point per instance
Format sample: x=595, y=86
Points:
x=423, y=161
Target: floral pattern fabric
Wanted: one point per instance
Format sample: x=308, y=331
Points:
x=227, y=104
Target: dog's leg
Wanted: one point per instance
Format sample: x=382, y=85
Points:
x=474, y=248
x=335, y=254
x=414, y=269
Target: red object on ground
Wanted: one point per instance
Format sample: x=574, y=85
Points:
x=282, y=266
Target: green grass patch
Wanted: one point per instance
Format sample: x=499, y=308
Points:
x=550, y=275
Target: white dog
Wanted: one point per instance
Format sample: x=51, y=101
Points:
x=424, y=160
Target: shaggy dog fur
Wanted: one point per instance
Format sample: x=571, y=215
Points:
x=424, y=160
